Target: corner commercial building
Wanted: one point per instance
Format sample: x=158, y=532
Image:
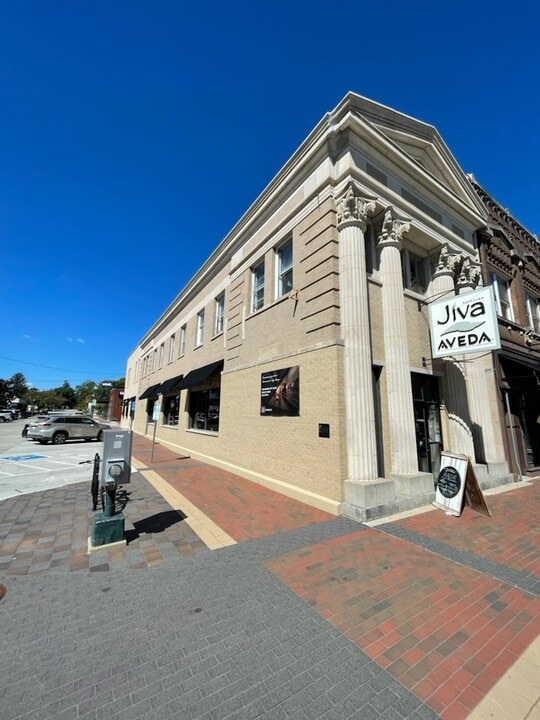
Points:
x=299, y=354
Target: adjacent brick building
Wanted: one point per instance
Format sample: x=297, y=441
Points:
x=510, y=258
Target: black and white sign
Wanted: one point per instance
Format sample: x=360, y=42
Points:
x=464, y=324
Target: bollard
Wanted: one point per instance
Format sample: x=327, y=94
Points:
x=95, y=483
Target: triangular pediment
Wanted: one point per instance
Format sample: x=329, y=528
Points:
x=419, y=141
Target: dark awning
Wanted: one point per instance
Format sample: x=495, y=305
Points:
x=197, y=377
x=150, y=392
x=169, y=386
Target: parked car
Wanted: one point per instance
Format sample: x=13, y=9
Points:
x=14, y=413
x=5, y=416
x=60, y=428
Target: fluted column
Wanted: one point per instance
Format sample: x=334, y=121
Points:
x=352, y=213
x=454, y=386
x=480, y=385
x=400, y=403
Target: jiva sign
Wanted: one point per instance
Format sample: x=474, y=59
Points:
x=464, y=324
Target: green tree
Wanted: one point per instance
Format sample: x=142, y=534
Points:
x=19, y=385
x=6, y=393
x=49, y=399
x=68, y=394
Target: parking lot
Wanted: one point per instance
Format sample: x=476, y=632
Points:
x=26, y=466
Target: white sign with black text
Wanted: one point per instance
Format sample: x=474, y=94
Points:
x=464, y=324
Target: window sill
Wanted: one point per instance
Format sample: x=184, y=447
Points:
x=170, y=427
x=196, y=431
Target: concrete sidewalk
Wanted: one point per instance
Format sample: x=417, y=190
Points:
x=230, y=600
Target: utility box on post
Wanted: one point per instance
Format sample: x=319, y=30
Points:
x=115, y=470
x=116, y=462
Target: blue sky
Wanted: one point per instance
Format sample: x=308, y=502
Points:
x=133, y=135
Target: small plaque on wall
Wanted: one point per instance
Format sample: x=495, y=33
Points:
x=324, y=430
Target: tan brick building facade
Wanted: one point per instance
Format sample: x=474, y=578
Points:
x=299, y=355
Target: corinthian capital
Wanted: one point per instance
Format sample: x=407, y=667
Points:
x=392, y=229
x=351, y=207
x=447, y=262
x=470, y=274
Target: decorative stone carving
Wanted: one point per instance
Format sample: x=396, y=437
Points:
x=447, y=261
x=351, y=207
x=469, y=275
x=392, y=229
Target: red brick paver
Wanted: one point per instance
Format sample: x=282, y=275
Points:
x=445, y=631
x=511, y=536
x=243, y=509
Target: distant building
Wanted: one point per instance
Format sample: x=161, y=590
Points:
x=299, y=354
x=114, y=409
x=510, y=258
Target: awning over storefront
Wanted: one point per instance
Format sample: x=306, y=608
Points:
x=199, y=376
x=169, y=386
x=150, y=392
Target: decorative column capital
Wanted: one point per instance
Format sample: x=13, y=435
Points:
x=446, y=263
x=352, y=208
x=393, y=230
x=470, y=274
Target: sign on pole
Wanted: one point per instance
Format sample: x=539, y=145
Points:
x=464, y=324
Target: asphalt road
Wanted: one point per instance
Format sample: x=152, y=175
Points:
x=26, y=466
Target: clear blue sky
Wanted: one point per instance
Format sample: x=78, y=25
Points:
x=133, y=135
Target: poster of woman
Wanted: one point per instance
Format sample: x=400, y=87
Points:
x=280, y=392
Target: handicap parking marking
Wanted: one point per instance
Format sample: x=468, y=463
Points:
x=20, y=458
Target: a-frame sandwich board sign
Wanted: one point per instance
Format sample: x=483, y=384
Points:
x=457, y=485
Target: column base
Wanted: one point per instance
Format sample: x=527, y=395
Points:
x=367, y=500
x=497, y=474
x=414, y=485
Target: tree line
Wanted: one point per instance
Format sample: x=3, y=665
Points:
x=16, y=389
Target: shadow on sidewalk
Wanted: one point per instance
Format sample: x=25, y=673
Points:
x=154, y=524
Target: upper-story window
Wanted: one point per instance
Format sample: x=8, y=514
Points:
x=533, y=313
x=161, y=354
x=220, y=314
x=153, y=361
x=503, y=300
x=182, y=348
x=284, y=269
x=257, y=287
x=172, y=341
x=200, y=327
x=414, y=270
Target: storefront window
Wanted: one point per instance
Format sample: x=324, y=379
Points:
x=171, y=409
x=204, y=409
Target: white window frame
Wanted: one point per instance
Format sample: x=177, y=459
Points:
x=220, y=314
x=410, y=280
x=161, y=354
x=533, y=313
x=172, y=343
x=504, y=306
x=257, y=287
x=284, y=272
x=182, y=345
x=200, y=328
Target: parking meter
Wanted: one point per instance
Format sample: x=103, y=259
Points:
x=116, y=463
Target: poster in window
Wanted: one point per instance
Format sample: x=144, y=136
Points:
x=280, y=392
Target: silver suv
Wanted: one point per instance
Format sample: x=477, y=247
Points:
x=65, y=427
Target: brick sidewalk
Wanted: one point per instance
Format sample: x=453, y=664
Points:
x=306, y=616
